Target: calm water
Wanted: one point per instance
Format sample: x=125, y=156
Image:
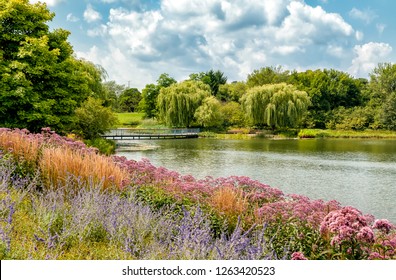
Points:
x=360, y=173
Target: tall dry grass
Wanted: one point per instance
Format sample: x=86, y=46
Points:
x=22, y=145
x=57, y=164
x=230, y=202
x=59, y=158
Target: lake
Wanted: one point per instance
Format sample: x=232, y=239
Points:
x=356, y=172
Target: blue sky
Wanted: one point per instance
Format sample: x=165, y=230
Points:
x=136, y=40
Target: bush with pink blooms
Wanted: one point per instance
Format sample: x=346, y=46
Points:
x=294, y=226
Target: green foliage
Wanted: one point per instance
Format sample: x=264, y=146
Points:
x=177, y=104
x=233, y=114
x=267, y=75
x=231, y=92
x=155, y=197
x=209, y=113
x=111, y=93
x=130, y=119
x=388, y=114
x=214, y=79
x=129, y=100
x=92, y=119
x=357, y=118
x=328, y=90
x=148, y=103
x=41, y=82
x=299, y=237
x=105, y=146
x=320, y=133
x=277, y=106
x=164, y=80
x=383, y=80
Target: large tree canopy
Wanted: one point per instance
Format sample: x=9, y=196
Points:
x=277, y=105
x=41, y=82
x=177, y=104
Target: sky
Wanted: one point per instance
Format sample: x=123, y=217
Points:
x=136, y=40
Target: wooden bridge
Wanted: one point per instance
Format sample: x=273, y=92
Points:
x=129, y=133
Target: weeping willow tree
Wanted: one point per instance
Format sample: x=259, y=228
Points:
x=177, y=104
x=209, y=113
x=275, y=105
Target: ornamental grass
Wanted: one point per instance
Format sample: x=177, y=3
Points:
x=58, y=158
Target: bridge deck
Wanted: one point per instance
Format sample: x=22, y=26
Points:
x=128, y=133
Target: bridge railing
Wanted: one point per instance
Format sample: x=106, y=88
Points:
x=152, y=131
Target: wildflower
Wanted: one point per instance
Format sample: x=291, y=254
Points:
x=298, y=256
x=375, y=256
x=365, y=234
x=383, y=225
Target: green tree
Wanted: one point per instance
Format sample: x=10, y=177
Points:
x=209, y=114
x=177, y=103
x=388, y=113
x=277, y=105
x=383, y=80
x=41, y=82
x=214, y=79
x=233, y=114
x=112, y=92
x=164, y=80
x=93, y=120
x=383, y=94
x=231, y=92
x=129, y=100
x=267, y=75
x=148, y=103
x=328, y=90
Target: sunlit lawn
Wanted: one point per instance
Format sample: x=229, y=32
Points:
x=130, y=119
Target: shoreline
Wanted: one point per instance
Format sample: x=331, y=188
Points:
x=304, y=134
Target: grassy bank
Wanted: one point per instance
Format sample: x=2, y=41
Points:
x=60, y=200
x=328, y=133
x=303, y=133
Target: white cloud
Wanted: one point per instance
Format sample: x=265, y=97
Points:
x=367, y=16
x=123, y=68
x=186, y=36
x=368, y=56
x=90, y=15
x=72, y=18
x=50, y=3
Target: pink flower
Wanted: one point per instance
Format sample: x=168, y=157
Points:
x=383, y=225
x=366, y=234
x=298, y=256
